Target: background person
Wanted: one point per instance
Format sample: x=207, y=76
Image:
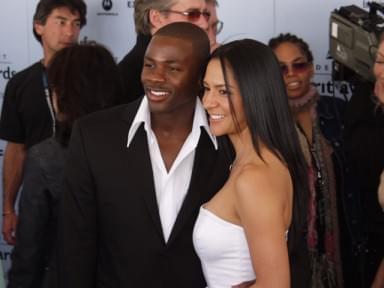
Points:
x=332, y=209
x=364, y=138
x=27, y=117
x=83, y=79
x=378, y=70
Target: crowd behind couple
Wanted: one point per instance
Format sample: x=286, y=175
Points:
x=207, y=165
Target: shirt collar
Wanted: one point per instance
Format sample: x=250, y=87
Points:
x=143, y=116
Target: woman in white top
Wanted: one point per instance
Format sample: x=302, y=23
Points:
x=241, y=233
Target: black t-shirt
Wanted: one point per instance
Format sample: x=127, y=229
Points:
x=25, y=116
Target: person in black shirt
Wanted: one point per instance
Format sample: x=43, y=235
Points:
x=84, y=79
x=27, y=116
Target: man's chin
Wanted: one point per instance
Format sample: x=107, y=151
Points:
x=66, y=44
x=157, y=107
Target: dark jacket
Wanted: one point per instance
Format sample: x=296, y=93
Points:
x=130, y=69
x=364, y=142
x=33, y=257
x=331, y=117
x=110, y=231
x=331, y=114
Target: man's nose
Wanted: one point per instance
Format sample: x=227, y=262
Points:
x=71, y=29
x=157, y=75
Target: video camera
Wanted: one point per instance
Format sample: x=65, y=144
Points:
x=354, y=39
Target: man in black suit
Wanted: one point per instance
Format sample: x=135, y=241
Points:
x=137, y=174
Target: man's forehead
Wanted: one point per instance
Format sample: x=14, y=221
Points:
x=184, y=5
x=65, y=12
x=165, y=46
x=170, y=41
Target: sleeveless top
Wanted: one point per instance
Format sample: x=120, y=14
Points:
x=223, y=251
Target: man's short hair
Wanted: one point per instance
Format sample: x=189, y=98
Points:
x=214, y=2
x=45, y=7
x=141, y=14
x=191, y=33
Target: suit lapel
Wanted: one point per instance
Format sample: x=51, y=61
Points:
x=205, y=158
x=141, y=171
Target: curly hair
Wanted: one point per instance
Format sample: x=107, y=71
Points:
x=291, y=38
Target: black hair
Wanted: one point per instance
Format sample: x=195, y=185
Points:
x=190, y=33
x=84, y=78
x=193, y=34
x=293, y=39
x=265, y=103
x=45, y=7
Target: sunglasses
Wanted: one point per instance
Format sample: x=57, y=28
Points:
x=297, y=67
x=192, y=16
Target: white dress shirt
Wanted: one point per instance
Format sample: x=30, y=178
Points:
x=171, y=186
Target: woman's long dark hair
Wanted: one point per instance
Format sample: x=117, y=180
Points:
x=85, y=79
x=257, y=73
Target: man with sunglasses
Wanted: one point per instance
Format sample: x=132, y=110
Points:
x=151, y=15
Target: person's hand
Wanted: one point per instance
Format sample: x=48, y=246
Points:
x=379, y=90
x=379, y=278
x=245, y=284
x=9, y=228
x=380, y=192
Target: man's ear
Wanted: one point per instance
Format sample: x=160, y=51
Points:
x=38, y=27
x=156, y=20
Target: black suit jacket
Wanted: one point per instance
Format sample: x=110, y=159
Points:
x=130, y=68
x=110, y=233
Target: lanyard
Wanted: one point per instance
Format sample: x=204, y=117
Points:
x=48, y=98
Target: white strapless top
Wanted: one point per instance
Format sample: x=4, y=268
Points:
x=223, y=251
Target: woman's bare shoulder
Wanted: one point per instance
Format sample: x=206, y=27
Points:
x=265, y=179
